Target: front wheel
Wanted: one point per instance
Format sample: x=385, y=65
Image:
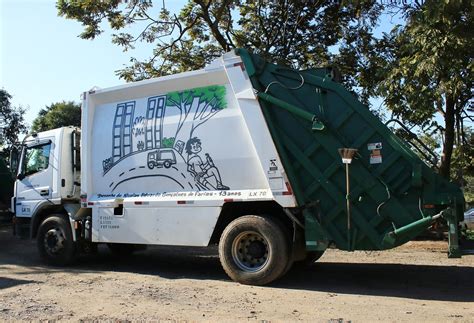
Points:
x=54, y=241
x=253, y=250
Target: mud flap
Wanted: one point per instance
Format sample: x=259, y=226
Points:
x=315, y=236
x=453, y=232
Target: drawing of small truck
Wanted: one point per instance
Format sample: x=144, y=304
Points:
x=160, y=158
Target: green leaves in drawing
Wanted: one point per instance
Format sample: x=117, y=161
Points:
x=167, y=142
x=213, y=95
x=217, y=93
x=196, y=107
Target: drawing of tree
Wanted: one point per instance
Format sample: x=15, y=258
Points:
x=196, y=106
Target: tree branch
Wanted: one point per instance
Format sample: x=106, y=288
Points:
x=214, y=25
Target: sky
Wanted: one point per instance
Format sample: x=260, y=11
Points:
x=43, y=61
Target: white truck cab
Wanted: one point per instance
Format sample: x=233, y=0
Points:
x=48, y=177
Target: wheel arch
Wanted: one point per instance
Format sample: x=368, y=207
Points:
x=233, y=210
x=42, y=213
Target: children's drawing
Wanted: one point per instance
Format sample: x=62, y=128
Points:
x=206, y=175
x=161, y=158
x=167, y=150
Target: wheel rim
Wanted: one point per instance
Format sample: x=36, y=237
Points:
x=54, y=241
x=250, y=251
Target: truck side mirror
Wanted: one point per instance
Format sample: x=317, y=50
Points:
x=14, y=159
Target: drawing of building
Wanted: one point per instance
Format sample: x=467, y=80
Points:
x=154, y=121
x=122, y=130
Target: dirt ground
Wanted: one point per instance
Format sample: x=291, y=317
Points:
x=416, y=282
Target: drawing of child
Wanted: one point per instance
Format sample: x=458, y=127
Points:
x=206, y=173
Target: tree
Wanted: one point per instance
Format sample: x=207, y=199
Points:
x=425, y=69
x=196, y=106
x=58, y=115
x=463, y=164
x=296, y=33
x=12, y=122
x=421, y=69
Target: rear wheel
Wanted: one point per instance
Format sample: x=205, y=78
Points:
x=54, y=241
x=254, y=250
x=167, y=164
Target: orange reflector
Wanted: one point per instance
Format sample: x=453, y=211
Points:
x=138, y=202
x=290, y=190
x=90, y=203
x=181, y=202
x=241, y=64
x=228, y=200
x=429, y=206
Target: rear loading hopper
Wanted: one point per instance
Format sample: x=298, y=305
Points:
x=385, y=197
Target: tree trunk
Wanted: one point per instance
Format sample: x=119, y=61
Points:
x=214, y=25
x=183, y=134
x=449, y=137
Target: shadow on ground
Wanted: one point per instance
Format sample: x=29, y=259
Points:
x=9, y=282
x=443, y=283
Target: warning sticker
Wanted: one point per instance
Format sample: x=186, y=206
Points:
x=374, y=146
x=375, y=156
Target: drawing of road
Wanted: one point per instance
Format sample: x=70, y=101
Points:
x=134, y=169
x=142, y=154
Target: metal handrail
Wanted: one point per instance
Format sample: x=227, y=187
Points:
x=427, y=154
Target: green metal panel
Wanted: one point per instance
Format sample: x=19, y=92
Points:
x=310, y=117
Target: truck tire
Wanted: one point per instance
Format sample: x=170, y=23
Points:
x=254, y=250
x=54, y=241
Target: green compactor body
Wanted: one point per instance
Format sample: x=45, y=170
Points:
x=383, y=198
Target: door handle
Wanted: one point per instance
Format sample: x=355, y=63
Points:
x=44, y=192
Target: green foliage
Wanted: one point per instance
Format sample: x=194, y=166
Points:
x=425, y=69
x=469, y=190
x=293, y=33
x=427, y=146
x=463, y=156
x=214, y=95
x=12, y=122
x=468, y=234
x=58, y=115
x=463, y=165
x=167, y=142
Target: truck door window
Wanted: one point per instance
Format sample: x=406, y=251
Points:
x=37, y=158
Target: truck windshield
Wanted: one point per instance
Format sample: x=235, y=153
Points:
x=37, y=158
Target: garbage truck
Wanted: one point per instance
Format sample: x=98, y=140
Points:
x=272, y=164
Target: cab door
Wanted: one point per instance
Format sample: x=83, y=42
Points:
x=34, y=183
